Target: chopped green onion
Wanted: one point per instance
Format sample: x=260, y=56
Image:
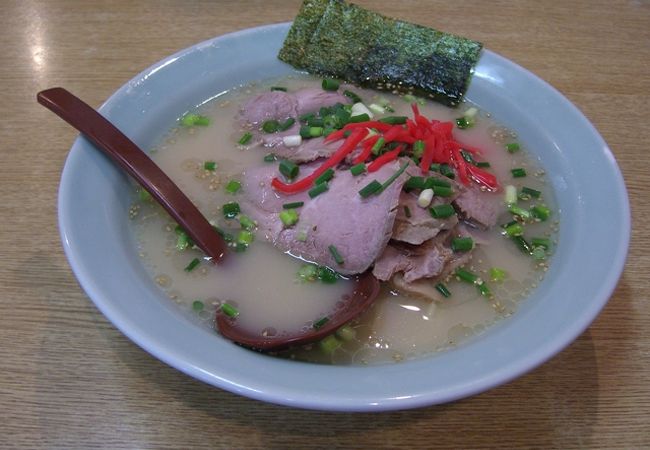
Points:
x=483, y=289
x=446, y=170
x=289, y=217
x=289, y=168
x=245, y=237
x=518, y=211
x=320, y=322
x=462, y=244
x=346, y=333
x=467, y=156
x=466, y=275
x=442, y=211
x=246, y=222
x=327, y=275
x=329, y=344
x=229, y=310
x=394, y=176
x=360, y=118
x=226, y=236
x=413, y=99
x=317, y=190
x=306, y=117
x=233, y=186
x=528, y=193
x=314, y=132
x=510, y=195
x=377, y=109
x=523, y=244
x=315, y=122
x=270, y=126
x=435, y=167
x=144, y=195
x=418, y=148
x=464, y=123
x=442, y=191
x=497, y=274
x=407, y=211
x=210, y=165
x=482, y=164
x=358, y=169
x=330, y=84
x=512, y=147
x=545, y=243
x=183, y=240
x=336, y=255
x=192, y=265
x=230, y=210
x=284, y=126
x=394, y=120
x=440, y=287
x=189, y=120
x=433, y=181
x=292, y=205
x=538, y=253
x=415, y=183
x=308, y=272
x=515, y=229
x=540, y=212
x=279, y=88
x=245, y=138
x=370, y=189
x=352, y=96
x=197, y=305
x=270, y=158
x=378, y=145
x=519, y=172
x=325, y=176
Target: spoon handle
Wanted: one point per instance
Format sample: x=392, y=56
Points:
x=134, y=161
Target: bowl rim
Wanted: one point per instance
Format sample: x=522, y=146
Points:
x=378, y=392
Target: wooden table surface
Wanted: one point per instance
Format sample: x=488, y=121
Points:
x=69, y=379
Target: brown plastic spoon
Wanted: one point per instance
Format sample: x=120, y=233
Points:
x=134, y=161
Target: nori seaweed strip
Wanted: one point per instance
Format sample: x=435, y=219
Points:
x=333, y=38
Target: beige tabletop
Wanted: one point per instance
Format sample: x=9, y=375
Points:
x=69, y=379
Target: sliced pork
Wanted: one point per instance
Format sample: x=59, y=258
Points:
x=358, y=228
x=418, y=225
x=479, y=208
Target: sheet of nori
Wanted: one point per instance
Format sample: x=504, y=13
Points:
x=337, y=39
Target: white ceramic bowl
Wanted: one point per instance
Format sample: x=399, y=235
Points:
x=593, y=241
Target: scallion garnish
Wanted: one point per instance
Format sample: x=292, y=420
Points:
x=327, y=275
x=466, y=275
x=317, y=190
x=394, y=120
x=352, y=96
x=418, y=148
x=320, y=322
x=245, y=138
x=377, y=146
x=364, y=117
x=246, y=222
x=528, y=193
x=440, y=287
x=512, y=147
x=210, y=165
x=330, y=84
x=245, y=237
x=442, y=191
x=464, y=123
x=541, y=242
x=514, y=229
x=308, y=272
x=292, y=205
x=325, y=176
x=518, y=172
x=233, y=187
x=336, y=255
x=497, y=274
x=446, y=170
x=189, y=120
x=358, y=169
x=270, y=126
x=394, y=176
x=482, y=164
x=329, y=343
x=230, y=210
x=518, y=211
x=462, y=244
x=197, y=305
x=442, y=211
x=407, y=211
x=284, y=126
x=289, y=168
x=346, y=333
x=192, y=265
x=289, y=217
x=540, y=212
x=229, y=310
x=270, y=158
x=523, y=244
